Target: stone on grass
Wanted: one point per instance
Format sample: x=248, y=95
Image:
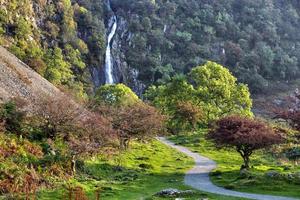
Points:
x=171, y=192
x=245, y=173
x=272, y=174
x=168, y=192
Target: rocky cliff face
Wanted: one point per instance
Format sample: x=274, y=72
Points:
x=123, y=72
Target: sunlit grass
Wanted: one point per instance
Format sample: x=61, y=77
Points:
x=228, y=174
x=143, y=170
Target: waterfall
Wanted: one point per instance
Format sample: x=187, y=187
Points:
x=109, y=79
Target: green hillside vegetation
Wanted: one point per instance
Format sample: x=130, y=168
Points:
x=257, y=40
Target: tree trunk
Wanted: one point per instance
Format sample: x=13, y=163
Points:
x=124, y=143
x=73, y=165
x=246, y=162
x=245, y=153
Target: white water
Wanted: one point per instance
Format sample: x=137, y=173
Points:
x=108, y=57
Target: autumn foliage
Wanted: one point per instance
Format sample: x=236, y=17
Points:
x=187, y=115
x=138, y=121
x=243, y=134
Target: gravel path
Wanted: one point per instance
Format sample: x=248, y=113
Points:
x=198, y=177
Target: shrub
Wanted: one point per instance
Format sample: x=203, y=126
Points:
x=11, y=118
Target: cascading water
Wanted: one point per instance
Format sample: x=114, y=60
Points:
x=109, y=79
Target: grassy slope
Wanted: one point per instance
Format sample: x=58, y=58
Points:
x=228, y=175
x=161, y=168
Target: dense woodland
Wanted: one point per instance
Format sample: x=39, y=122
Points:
x=63, y=40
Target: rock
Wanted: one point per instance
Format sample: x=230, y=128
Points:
x=168, y=192
x=244, y=173
x=272, y=174
x=219, y=177
x=229, y=187
x=216, y=173
x=174, y=193
x=290, y=176
x=145, y=166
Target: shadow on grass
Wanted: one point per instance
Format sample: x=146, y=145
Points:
x=117, y=182
x=259, y=182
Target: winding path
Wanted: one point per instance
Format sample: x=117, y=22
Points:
x=198, y=177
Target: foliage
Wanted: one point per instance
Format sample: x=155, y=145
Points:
x=218, y=89
x=252, y=38
x=293, y=154
x=210, y=89
x=186, y=116
x=11, y=117
x=243, y=134
x=291, y=114
x=116, y=95
x=56, y=116
x=258, y=41
x=68, y=132
x=15, y=155
x=58, y=70
x=138, y=121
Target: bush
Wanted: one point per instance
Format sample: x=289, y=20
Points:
x=11, y=118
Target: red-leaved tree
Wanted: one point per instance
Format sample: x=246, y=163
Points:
x=245, y=135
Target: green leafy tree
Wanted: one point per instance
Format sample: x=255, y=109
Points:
x=116, y=95
x=58, y=70
x=218, y=90
x=170, y=97
x=74, y=57
x=211, y=92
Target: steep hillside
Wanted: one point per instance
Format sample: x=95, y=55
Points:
x=17, y=80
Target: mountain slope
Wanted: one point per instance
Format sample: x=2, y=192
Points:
x=17, y=80
x=65, y=40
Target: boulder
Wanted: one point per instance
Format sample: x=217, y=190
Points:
x=272, y=174
x=174, y=193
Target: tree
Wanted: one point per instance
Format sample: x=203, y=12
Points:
x=58, y=70
x=57, y=115
x=83, y=131
x=139, y=121
x=243, y=134
x=116, y=95
x=167, y=96
x=130, y=117
x=170, y=99
x=291, y=114
x=187, y=115
x=92, y=133
x=218, y=89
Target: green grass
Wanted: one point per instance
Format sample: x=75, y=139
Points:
x=228, y=174
x=145, y=169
